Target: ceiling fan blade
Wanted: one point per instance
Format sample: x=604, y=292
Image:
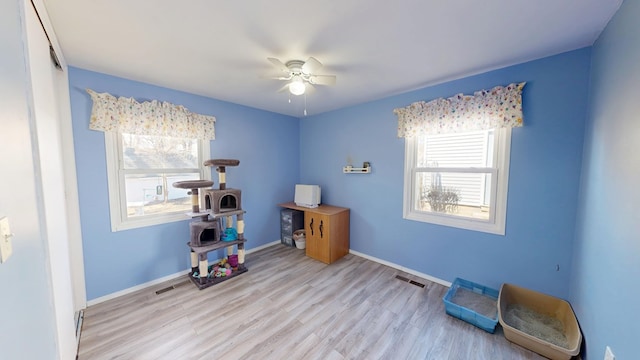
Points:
x=310, y=88
x=284, y=88
x=311, y=65
x=279, y=64
x=322, y=79
x=275, y=77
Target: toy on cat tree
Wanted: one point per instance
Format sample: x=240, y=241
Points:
x=206, y=234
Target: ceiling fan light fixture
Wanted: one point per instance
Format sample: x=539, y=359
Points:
x=297, y=87
x=299, y=74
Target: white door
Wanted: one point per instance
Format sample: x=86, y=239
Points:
x=50, y=189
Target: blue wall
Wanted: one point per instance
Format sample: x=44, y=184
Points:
x=277, y=151
x=265, y=143
x=605, y=290
x=597, y=258
x=543, y=182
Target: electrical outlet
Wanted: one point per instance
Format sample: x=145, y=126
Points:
x=608, y=354
x=5, y=240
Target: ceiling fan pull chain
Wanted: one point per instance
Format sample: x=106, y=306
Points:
x=305, y=104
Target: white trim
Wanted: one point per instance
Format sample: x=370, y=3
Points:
x=401, y=268
x=71, y=191
x=475, y=170
x=503, y=161
x=409, y=160
x=500, y=185
x=110, y=139
x=273, y=243
x=136, y=288
x=163, y=279
x=116, y=188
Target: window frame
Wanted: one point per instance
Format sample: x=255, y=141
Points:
x=500, y=185
x=117, y=191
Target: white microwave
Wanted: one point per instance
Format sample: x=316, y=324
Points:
x=307, y=195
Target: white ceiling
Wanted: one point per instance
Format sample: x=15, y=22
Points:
x=377, y=48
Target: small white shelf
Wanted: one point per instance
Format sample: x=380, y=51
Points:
x=355, y=170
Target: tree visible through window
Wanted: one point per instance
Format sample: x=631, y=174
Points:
x=458, y=179
x=150, y=165
x=462, y=189
x=142, y=174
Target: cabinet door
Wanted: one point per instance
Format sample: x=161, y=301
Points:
x=317, y=228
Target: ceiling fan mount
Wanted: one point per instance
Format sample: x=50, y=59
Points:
x=295, y=65
x=301, y=75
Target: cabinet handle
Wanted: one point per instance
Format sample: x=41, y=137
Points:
x=311, y=226
x=320, y=228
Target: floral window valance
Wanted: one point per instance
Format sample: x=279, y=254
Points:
x=148, y=118
x=486, y=109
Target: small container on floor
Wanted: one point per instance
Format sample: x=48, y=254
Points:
x=527, y=318
x=473, y=303
x=299, y=239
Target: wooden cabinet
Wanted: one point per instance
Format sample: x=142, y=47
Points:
x=326, y=231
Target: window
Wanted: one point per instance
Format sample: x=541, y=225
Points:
x=141, y=171
x=458, y=179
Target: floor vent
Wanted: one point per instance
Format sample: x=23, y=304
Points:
x=402, y=278
x=162, y=291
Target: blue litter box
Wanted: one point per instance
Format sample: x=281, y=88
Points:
x=473, y=303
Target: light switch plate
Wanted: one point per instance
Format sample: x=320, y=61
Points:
x=608, y=354
x=5, y=240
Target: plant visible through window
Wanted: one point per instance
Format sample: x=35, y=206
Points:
x=443, y=199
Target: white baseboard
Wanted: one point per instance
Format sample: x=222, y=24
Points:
x=277, y=242
x=136, y=288
x=162, y=279
x=402, y=268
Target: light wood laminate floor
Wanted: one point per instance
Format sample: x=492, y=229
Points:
x=289, y=306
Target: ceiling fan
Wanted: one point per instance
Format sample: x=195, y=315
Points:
x=301, y=75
